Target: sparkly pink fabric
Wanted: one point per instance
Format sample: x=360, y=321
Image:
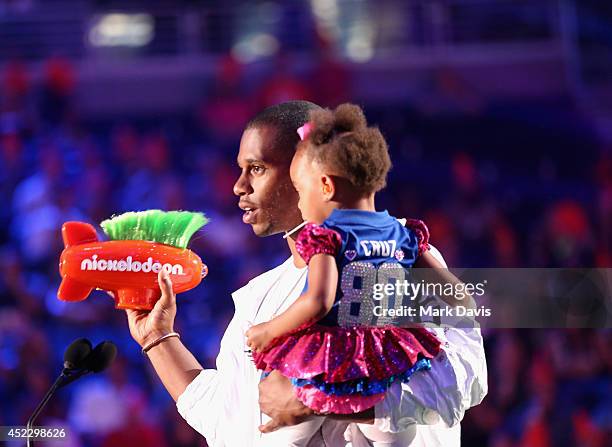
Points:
x=422, y=232
x=327, y=403
x=314, y=240
x=339, y=354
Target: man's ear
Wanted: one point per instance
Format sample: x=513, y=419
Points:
x=328, y=187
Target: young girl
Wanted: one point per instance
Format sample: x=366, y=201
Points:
x=325, y=342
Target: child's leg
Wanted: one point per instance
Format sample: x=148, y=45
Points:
x=294, y=435
x=382, y=439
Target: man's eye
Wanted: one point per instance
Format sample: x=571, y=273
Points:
x=257, y=169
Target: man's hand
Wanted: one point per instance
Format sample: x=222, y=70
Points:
x=278, y=400
x=259, y=337
x=146, y=326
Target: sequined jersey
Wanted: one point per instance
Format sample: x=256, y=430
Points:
x=346, y=362
x=369, y=248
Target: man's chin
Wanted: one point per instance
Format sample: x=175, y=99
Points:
x=263, y=229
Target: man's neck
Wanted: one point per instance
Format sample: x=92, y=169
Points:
x=297, y=259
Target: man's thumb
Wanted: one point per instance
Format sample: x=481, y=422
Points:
x=165, y=285
x=269, y=427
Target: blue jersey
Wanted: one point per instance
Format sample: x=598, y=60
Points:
x=376, y=249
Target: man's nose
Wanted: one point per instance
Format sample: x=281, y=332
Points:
x=242, y=186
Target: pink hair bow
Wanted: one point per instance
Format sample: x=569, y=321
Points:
x=304, y=131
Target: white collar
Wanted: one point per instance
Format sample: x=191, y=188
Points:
x=249, y=299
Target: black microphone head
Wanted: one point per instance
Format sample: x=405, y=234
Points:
x=76, y=354
x=101, y=356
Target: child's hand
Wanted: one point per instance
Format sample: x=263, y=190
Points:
x=259, y=337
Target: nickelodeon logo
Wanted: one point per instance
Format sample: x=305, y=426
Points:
x=129, y=265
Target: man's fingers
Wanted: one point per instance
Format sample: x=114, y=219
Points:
x=165, y=284
x=270, y=427
x=134, y=314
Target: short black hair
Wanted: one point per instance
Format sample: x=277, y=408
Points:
x=287, y=117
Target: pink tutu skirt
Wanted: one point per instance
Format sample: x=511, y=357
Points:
x=348, y=370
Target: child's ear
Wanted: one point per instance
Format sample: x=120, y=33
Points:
x=328, y=187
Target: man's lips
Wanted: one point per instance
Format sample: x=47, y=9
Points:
x=250, y=213
x=250, y=216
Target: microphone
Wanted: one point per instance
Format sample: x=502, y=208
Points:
x=95, y=361
x=101, y=357
x=79, y=359
x=76, y=353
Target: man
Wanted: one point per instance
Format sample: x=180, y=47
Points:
x=222, y=403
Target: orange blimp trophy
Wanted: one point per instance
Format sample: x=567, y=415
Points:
x=141, y=245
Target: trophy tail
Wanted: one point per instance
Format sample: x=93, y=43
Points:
x=76, y=233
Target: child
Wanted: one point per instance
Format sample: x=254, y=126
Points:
x=324, y=342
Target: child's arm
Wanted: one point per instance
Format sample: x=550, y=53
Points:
x=311, y=306
x=437, y=273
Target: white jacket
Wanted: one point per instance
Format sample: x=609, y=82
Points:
x=222, y=403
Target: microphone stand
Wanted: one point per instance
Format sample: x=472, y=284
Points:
x=64, y=379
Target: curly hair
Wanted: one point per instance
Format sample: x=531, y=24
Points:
x=341, y=141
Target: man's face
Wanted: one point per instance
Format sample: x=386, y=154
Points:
x=266, y=195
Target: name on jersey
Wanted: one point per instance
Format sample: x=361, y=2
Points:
x=379, y=248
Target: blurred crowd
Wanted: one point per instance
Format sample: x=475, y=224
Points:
x=509, y=184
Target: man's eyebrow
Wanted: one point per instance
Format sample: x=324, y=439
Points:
x=250, y=161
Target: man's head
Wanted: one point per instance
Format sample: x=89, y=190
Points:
x=266, y=149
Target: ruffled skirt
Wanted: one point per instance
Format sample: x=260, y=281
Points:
x=348, y=370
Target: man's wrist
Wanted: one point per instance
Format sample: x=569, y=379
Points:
x=158, y=341
x=152, y=336
x=307, y=411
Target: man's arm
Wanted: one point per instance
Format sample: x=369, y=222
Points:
x=197, y=392
x=173, y=363
x=175, y=366
x=456, y=382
